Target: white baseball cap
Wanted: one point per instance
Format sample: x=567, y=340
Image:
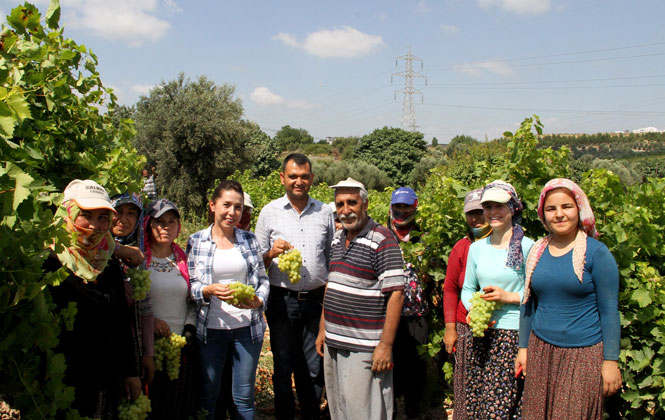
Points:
x=247, y=201
x=349, y=183
x=88, y=195
x=497, y=194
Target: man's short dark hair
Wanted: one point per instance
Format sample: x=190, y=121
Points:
x=299, y=160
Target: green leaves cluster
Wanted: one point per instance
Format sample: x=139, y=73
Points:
x=392, y=150
x=52, y=130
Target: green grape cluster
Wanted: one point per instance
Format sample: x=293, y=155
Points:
x=242, y=293
x=134, y=410
x=480, y=314
x=290, y=262
x=167, y=354
x=140, y=281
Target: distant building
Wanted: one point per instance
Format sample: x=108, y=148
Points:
x=646, y=130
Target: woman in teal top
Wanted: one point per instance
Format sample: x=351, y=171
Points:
x=495, y=265
x=569, y=325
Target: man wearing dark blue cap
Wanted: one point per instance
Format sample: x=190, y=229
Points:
x=410, y=370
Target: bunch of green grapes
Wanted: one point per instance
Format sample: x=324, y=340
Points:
x=480, y=314
x=242, y=293
x=290, y=262
x=167, y=354
x=134, y=410
x=140, y=281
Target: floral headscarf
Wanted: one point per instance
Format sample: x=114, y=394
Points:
x=515, y=254
x=136, y=237
x=87, y=251
x=587, y=226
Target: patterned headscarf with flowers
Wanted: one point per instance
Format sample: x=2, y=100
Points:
x=587, y=226
x=87, y=251
x=515, y=254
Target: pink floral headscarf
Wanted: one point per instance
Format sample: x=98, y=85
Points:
x=587, y=226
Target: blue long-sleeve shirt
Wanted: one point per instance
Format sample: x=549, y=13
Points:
x=566, y=313
x=486, y=266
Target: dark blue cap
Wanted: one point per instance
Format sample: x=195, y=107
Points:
x=403, y=195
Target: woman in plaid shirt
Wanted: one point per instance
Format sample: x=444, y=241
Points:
x=216, y=257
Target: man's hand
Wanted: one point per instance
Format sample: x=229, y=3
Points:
x=279, y=247
x=382, y=358
x=320, y=342
x=130, y=255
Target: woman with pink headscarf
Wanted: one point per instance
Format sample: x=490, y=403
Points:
x=569, y=321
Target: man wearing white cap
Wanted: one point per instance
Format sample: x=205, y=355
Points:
x=362, y=308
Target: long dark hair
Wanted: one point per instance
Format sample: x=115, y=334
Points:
x=225, y=185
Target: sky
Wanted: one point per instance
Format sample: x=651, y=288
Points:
x=582, y=66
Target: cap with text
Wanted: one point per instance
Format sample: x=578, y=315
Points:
x=88, y=195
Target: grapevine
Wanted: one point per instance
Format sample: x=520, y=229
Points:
x=167, y=354
x=134, y=410
x=242, y=293
x=480, y=314
x=140, y=281
x=290, y=262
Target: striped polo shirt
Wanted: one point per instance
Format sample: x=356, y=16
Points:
x=361, y=277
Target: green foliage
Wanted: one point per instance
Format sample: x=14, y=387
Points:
x=435, y=141
x=345, y=146
x=333, y=172
x=625, y=174
x=51, y=131
x=317, y=149
x=459, y=143
x=263, y=153
x=393, y=150
x=194, y=133
x=422, y=169
x=291, y=139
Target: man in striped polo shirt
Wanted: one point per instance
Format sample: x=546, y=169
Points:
x=361, y=311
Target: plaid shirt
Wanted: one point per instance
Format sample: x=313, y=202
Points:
x=200, y=251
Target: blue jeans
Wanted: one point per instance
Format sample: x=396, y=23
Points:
x=237, y=344
x=294, y=326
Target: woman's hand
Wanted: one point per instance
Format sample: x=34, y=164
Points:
x=130, y=255
x=520, y=362
x=162, y=328
x=147, y=369
x=252, y=304
x=132, y=387
x=450, y=337
x=497, y=294
x=611, y=377
x=221, y=291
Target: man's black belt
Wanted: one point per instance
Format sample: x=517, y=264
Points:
x=300, y=295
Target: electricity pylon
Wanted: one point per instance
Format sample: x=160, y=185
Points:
x=408, y=109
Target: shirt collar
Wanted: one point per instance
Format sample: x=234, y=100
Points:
x=287, y=204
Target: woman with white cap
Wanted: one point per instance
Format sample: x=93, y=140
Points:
x=98, y=347
x=495, y=266
x=456, y=337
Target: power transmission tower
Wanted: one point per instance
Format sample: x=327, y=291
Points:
x=408, y=110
